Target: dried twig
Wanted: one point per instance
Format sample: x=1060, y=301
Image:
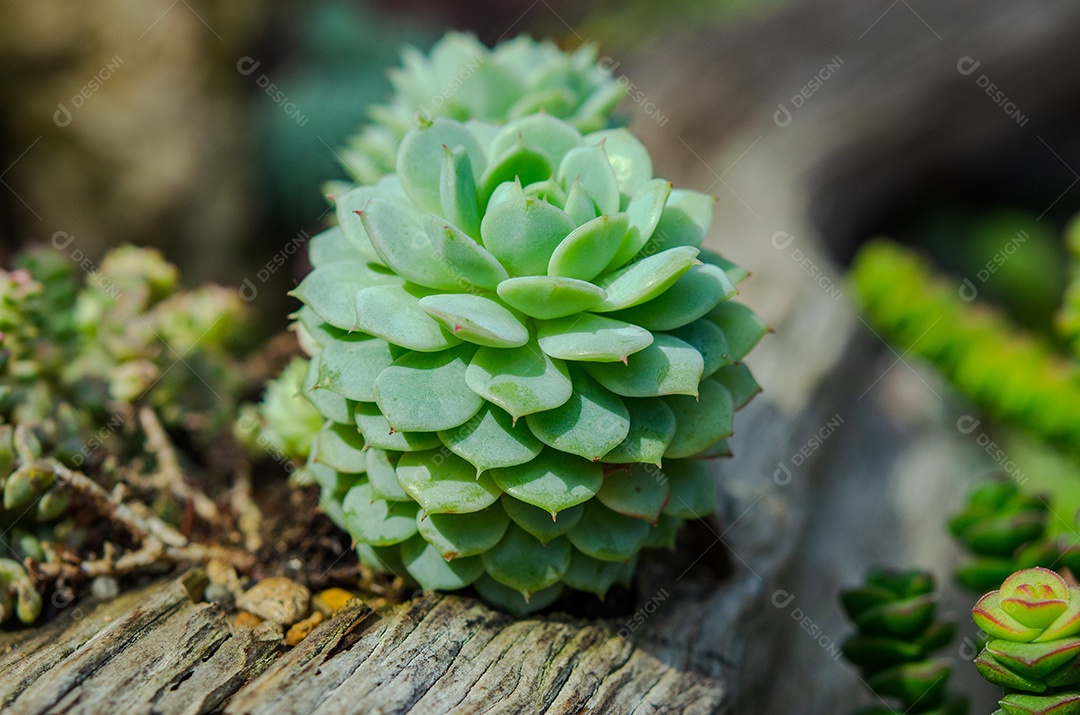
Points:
x=248, y=514
x=168, y=475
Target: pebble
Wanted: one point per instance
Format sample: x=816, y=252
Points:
x=104, y=587
x=220, y=594
x=276, y=599
x=331, y=600
x=243, y=619
x=301, y=629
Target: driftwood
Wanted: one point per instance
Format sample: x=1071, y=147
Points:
x=839, y=464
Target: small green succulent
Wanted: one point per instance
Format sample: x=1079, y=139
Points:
x=1003, y=528
x=897, y=635
x=464, y=80
x=1033, y=623
x=521, y=351
x=76, y=358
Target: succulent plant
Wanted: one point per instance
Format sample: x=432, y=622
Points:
x=464, y=80
x=520, y=348
x=1016, y=377
x=1033, y=622
x=285, y=421
x=897, y=635
x=74, y=360
x=1003, y=528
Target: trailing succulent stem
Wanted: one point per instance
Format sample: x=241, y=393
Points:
x=1033, y=652
x=895, y=641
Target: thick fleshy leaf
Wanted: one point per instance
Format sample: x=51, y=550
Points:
x=652, y=427
x=538, y=522
x=312, y=332
x=443, y=483
x=1068, y=623
x=902, y=619
x=995, y=622
x=523, y=233
x=376, y=522
x=997, y=674
x=539, y=131
x=608, y=536
x=700, y=421
x=521, y=562
x=403, y=244
x=1035, y=597
x=667, y=367
x=698, y=291
x=331, y=246
x=420, y=158
x=645, y=279
x=640, y=491
x=742, y=328
x=476, y=319
x=692, y=490
x=590, y=166
x=518, y=163
x=463, y=257
x=462, y=535
x=735, y=273
x=591, y=338
x=382, y=476
x=578, y=205
x=340, y=447
x=707, y=337
x=684, y=222
x=330, y=291
x=520, y=380
x=393, y=313
x=912, y=682
x=512, y=601
x=545, y=297
x=740, y=382
x=490, y=439
x=628, y=157
x=384, y=559
x=590, y=424
x=378, y=434
x=350, y=364
x=330, y=405
x=506, y=191
x=352, y=227
x=1056, y=704
x=644, y=210
x=427, y=392
x=665, y=533
x=592, y=575
x=547, y=190
x=587, y=250
x=552, y=481
x=1034, y=660
x=457, y=192
x=434, y=573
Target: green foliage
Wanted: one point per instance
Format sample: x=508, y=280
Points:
x=1004, y=529
x=1015, y=377
x=76, y=361
x=492, y=332
x=462, y=79
x=1033, y=623
x=895, y=613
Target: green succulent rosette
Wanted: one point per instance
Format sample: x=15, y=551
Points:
x=462, y=79
x=895, y=613
x=520, y=349
x=1003, y=528
x=1033, y=622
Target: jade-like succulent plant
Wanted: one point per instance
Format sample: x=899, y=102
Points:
x=1033, y=623
x=1003, y=528
x=521, y=350
x=462, y=79
x=897, y=635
